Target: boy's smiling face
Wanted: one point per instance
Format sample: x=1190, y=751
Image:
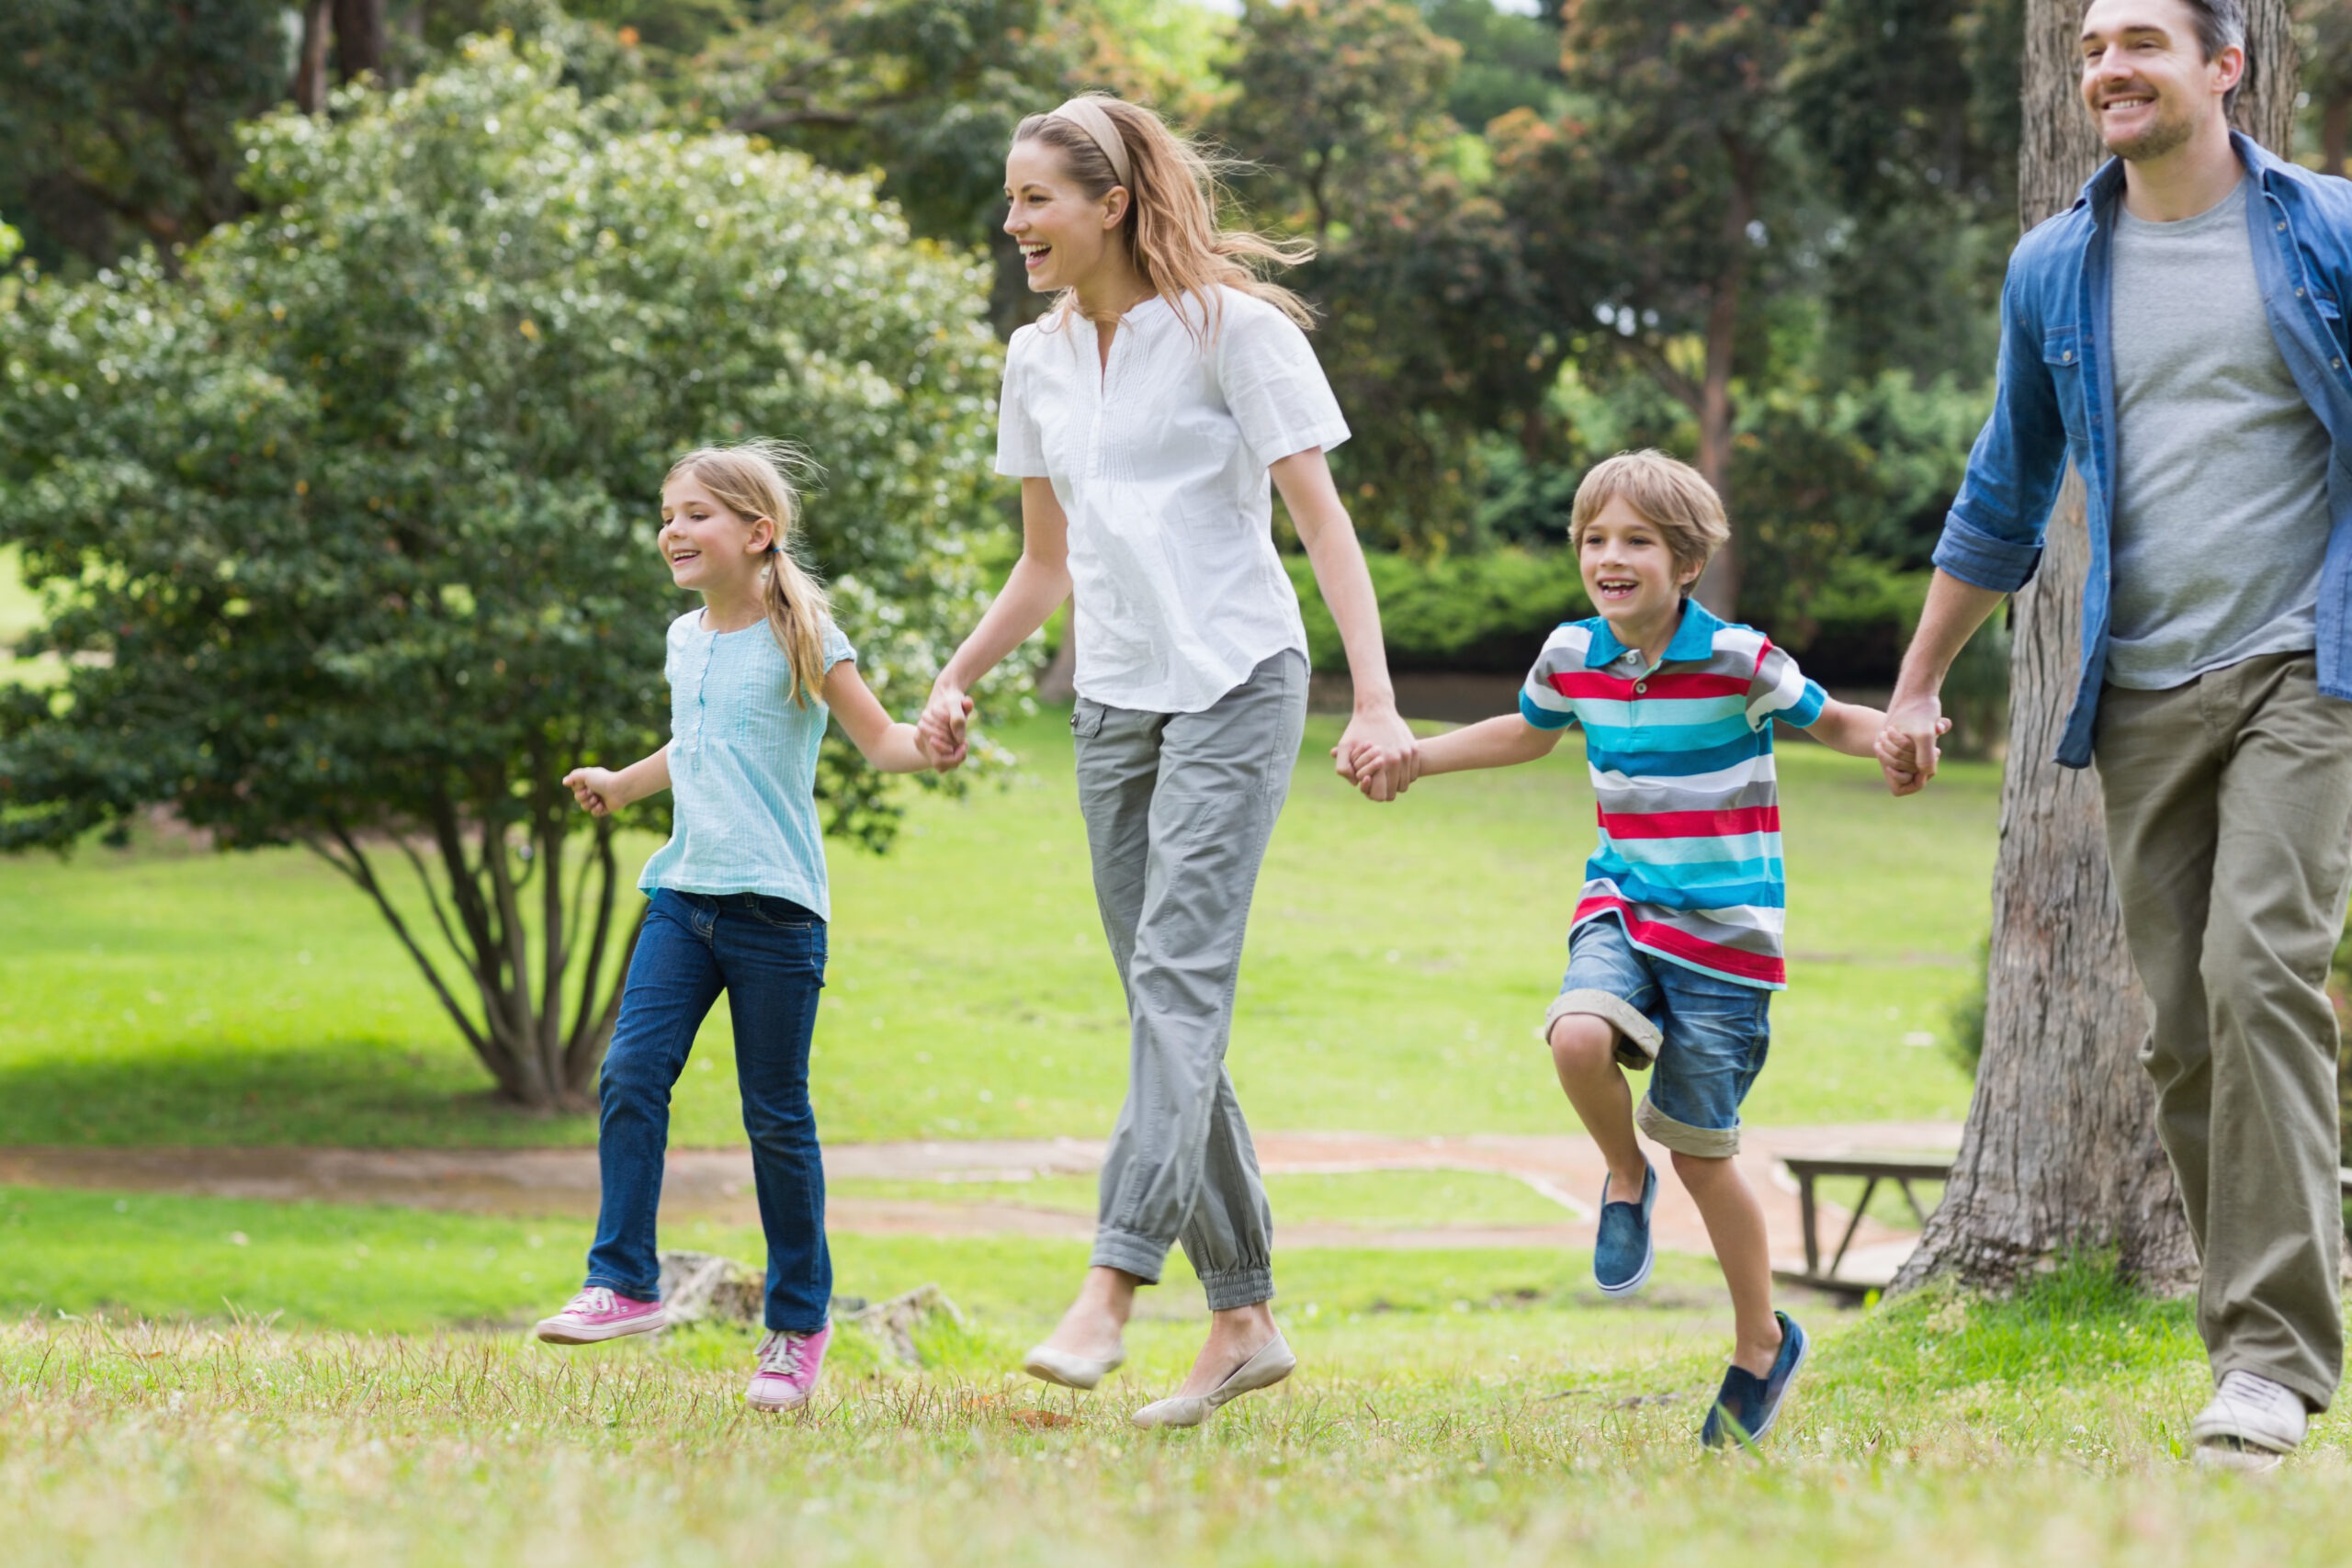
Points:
x=1630, y=575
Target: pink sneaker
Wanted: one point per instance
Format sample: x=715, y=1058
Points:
x=787, y=1370
x=596, y=1314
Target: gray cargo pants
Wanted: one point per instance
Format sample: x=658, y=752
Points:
x=1179, y=808
x=2229, y=821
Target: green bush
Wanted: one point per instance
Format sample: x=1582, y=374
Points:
x=1482, y=612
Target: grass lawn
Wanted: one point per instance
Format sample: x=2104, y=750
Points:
x=1399, y=959
x=1449, y=1409
x=1376, y=1199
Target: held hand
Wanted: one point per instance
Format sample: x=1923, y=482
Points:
x=941, y=731
x=597, y=790
x=1906, y=749
x=1373, y=752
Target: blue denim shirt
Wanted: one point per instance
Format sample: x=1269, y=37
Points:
x=2055, y=400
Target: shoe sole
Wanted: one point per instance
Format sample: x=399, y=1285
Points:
x=1046, y=1371
x=1200, y=1407
x=552, y=1333
x=773, y=1408
x=1650, y=1261
x=2245, y=1461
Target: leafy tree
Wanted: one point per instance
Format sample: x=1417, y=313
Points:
x=350, y=528
x=117, y=116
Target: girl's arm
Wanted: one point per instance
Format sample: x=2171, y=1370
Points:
x=1330, y=536
x=893, y=747
x=1039, y=582
x=1499, y=742
x=602, y=792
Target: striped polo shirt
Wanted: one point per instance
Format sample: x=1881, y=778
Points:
x=1681, y=757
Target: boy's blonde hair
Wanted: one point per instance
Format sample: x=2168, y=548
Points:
x=754, y=480
x=1672, y=497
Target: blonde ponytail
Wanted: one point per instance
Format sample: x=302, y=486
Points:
x=1170, y=226
x=754, y=480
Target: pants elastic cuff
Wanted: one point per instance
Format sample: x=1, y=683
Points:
x=1130, y=1253
x=1638, y=1037
x=1231, y=1288
x=1707, y=1143
x=2318, y=1393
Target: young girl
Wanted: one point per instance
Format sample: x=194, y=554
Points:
x=739, y=902
x=1145, y=417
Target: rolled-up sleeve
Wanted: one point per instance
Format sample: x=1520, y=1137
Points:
x=1992, y=537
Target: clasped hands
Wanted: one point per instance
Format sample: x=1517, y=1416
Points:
x=942, y=730
x=1379, y=755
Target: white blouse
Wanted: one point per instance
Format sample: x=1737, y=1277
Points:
x=1159, y=460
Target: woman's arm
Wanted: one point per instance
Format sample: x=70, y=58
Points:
x=892, y=746
x=1330, y=536
x=1039, y=582
x=602, y=792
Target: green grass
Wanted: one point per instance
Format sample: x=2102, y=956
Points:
x=1399, y=959
x=1378, y=1200
x=1430, y=1427
x=394, y=1270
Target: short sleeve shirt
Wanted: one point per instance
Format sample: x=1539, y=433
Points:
x=1159, y=460
x=742, y=768
x=1682, y=759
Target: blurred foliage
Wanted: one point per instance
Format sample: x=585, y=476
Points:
x=1485, y=611
x=350, y=526
x=117, y=118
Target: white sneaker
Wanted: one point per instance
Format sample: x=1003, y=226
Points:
x=2251, y=1424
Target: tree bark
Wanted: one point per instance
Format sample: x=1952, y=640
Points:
x=358, y=38
x=310, y=64
x=2061, y=1149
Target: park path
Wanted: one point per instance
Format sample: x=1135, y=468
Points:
x=715, y=1184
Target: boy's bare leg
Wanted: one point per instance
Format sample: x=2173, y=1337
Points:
x=1735, y=1225
x=1583, y=1053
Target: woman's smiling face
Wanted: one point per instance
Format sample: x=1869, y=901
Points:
x=1063, y=233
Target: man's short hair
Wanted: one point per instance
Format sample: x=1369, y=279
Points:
x=1671, y=496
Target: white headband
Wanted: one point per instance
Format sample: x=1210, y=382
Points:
x=1088, y=115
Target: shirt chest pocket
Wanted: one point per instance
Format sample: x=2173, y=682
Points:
x=2062, y=359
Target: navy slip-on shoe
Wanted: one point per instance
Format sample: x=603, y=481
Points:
x=1623, y=1254
x=1747, y=1405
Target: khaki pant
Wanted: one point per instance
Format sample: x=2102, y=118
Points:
x=1179, y=810
x=2229, y=821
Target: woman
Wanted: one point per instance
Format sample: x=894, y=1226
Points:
x=1143, y=416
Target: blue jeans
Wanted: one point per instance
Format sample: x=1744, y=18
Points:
x=768, y=956
x=1707, y=1035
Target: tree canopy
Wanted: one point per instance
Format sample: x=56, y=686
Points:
x=349, y=528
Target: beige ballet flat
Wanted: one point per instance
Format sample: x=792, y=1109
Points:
x=1272, y=1363
x=1050, y=1365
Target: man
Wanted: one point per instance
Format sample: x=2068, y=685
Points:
x=2178, y=334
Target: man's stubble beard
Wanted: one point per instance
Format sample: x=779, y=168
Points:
x=2168, y=134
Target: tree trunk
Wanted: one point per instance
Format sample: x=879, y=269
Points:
x=311, y=64
x=358, y=38
x=2060, y=1148
x=1718, y=586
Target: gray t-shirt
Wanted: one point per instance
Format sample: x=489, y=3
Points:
x=2221, y=505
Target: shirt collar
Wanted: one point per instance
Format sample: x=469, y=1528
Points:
x=2101, y=191
x=1694, y=638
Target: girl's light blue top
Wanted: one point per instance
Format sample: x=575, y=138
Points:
x=742, y=768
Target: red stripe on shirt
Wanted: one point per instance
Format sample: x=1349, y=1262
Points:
x=1690, y=824
x=1618, y=688
x=1679, y=944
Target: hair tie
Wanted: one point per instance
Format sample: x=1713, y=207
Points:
x=1090, y=116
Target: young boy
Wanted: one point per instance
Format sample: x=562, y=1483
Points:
x=1675, y=950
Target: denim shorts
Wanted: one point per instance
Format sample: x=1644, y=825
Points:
x=1707, y=1036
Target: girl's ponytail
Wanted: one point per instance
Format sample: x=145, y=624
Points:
x=754, y=480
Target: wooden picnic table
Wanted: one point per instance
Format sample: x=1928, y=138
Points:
x=1902, y=1169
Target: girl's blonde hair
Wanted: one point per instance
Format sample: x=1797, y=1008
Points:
x=1672, y=497
x=754, y=480
x=1170, y=225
